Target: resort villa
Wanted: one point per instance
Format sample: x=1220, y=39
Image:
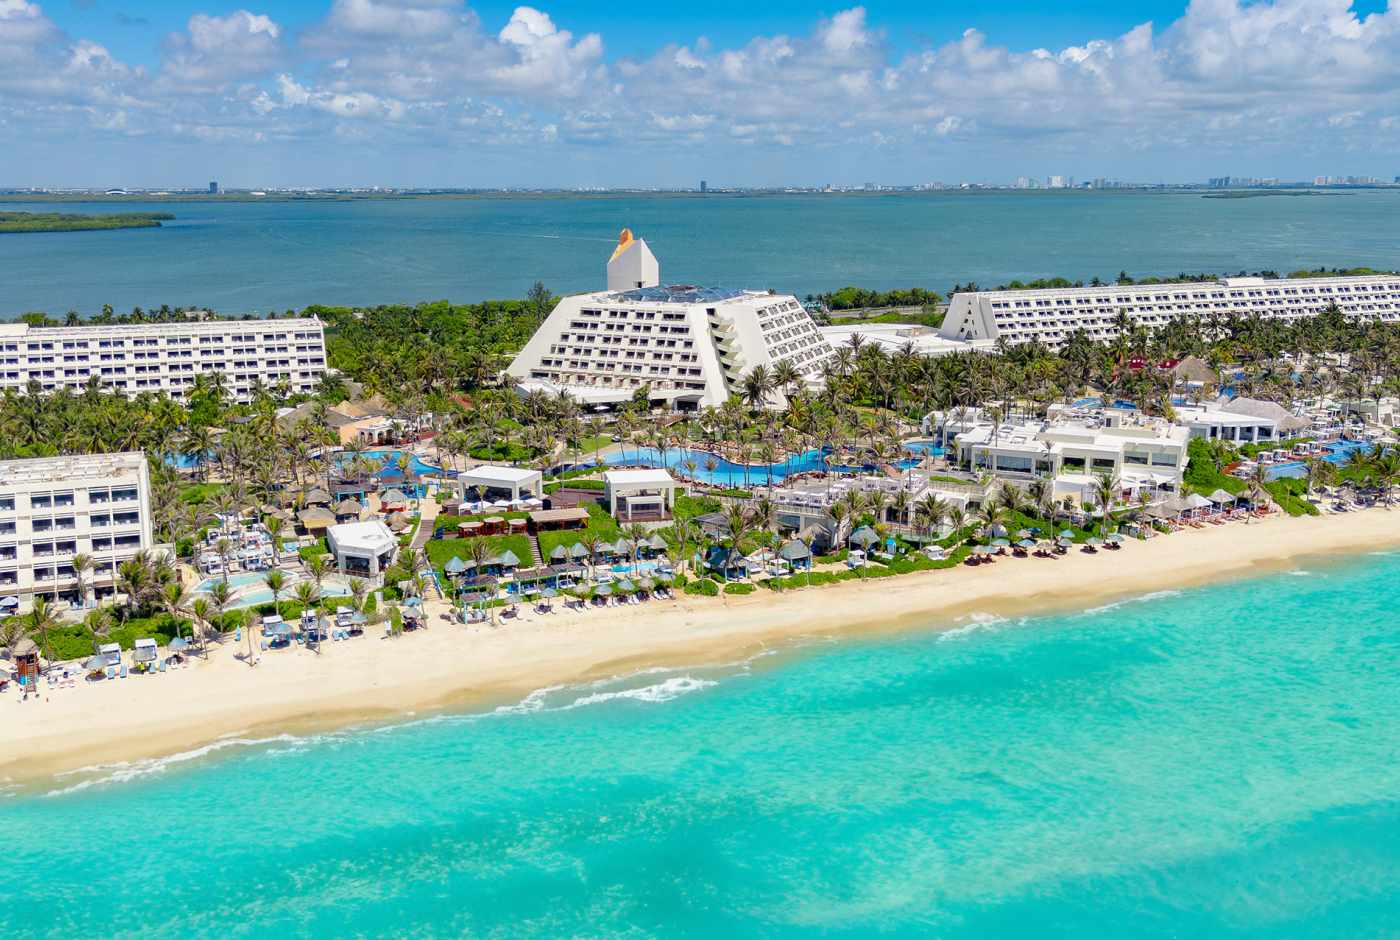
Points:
x=365, y=549
x=1241, y=421
x=639, y=495
x=1141, y=453
x=689, y=347
x=53, y=508
x=509, y=483
x=165, y=357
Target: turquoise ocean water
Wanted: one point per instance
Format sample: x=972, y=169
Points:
x=242, y=257
x=1220, y=762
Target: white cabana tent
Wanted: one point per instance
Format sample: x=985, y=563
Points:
x=650, y=493
x=513, y=481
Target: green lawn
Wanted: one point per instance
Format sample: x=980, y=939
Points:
x=196, y=493
x=314, y=551
x=599, y=523
x=590, y=445
x=440, y=551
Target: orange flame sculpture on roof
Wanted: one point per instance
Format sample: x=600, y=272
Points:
x=624, y=241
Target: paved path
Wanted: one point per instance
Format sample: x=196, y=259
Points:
x=428, y=513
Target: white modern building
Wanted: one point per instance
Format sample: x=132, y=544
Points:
x=1140, y=453
x=1052, y=316
x=54, y=508
x=364, y=549
x=896, y=338
x=690, y=347
x=165, y=357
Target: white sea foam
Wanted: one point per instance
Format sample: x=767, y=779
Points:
x=1300, y=573
x=663, y=691
x=972, y=623
x=1149, y=596
x=126, y=771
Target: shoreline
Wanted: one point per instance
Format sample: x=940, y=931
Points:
x=452, y=668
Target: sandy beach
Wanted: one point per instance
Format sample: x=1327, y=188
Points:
x=448, y=666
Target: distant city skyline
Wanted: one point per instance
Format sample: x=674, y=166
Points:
x=574, y=94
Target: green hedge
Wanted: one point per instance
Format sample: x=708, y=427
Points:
x=702, y=588
x=738, y=588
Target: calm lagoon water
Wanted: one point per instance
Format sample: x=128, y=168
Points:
x=1220, y=762
x=241, y=257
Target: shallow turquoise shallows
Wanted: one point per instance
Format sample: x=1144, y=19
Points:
x=1223, y=762
x=239, y=257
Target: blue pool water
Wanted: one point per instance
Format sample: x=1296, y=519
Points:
x=1180, y=765
x=249, y=589
x=641, y=567
x=415, y=463
x=728, y=473
x=235, y=581
x=1339, y=452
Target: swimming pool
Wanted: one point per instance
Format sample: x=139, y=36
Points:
x=250, y=588
x=1339, y=452
x=235, y=581
x=728, y=473
x=389, y=458
x=641, y=567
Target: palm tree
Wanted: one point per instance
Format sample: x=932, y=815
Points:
x=738, y=522
x=173, y=598
x=39, y=621
x=202, y=612
x=275, y=581
x=82, y=564
x=1105, y=490
x=99, y=624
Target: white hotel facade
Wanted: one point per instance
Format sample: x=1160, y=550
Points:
x=1052, y=316
x=53, y=508
x=165, y=357
x=690, y=346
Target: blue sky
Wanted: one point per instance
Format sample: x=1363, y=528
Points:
x=446, y=92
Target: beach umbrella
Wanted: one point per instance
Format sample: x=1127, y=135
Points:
x=646, y=584
x=1064, y=542
x=664, y=578
x=981, y=550
x=549, y=592
x=1001, y=543
x=1066, y=534
x=999, y=531
x=603, y=590
x=1093, y=540
x=626, y=585
x=581, y=591
x=1026, y=543
x=455, y=566
x=178, y=644
x=95, y=662
x=1115, y=538
x=413, y=602
x=1023, y=534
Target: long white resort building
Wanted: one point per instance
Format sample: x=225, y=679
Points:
x=165, y=357
x=690, y=346
x=1052, y=316
x=53, y=508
